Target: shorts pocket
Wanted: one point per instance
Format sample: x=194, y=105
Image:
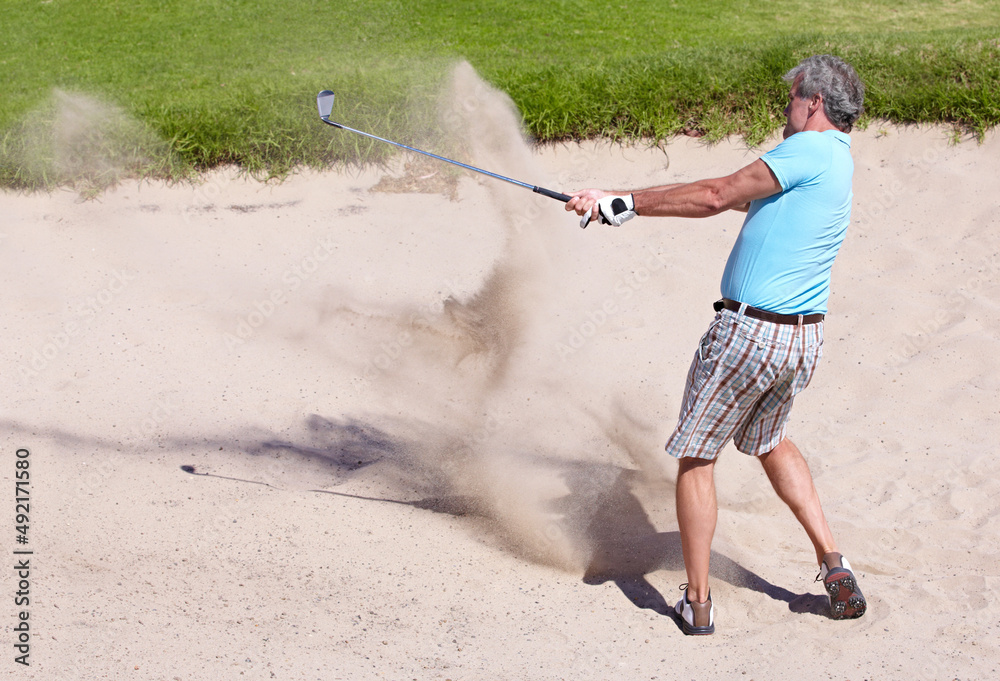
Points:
x=763, y=337
x=711, y=344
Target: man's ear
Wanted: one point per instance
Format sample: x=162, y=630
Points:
x=816, y=103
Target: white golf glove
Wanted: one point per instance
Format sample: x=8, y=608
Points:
x=613, y=210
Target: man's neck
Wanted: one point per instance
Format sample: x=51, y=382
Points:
x=818, y=122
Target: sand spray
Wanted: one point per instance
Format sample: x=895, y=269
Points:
x=80, y=141
x=505, y=433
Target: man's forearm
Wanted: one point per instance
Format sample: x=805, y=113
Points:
x=661, y=188
x=687, y=200
x=700, y=199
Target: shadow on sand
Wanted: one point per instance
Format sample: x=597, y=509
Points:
x=627, y=547
x=601, y=506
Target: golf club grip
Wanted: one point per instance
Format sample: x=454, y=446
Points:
x=551, y=194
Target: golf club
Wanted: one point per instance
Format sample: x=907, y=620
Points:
x=324, y=102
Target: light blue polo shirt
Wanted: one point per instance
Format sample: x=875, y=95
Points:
x=783, y=255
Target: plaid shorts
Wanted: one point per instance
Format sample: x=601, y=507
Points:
x=741, y=385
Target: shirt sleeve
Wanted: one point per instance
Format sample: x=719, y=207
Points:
x=796, y=160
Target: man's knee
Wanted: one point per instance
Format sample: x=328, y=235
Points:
x=695, y=466
x=783, y=449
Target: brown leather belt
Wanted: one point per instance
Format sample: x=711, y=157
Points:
x=765, y=316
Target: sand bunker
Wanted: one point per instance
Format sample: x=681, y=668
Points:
x=427, y=434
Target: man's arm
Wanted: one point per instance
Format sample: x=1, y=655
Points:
x=699, y=199
x=710, y=197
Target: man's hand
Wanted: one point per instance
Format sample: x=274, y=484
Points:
x=594, y=204
x=614, y=210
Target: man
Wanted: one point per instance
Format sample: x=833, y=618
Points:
x=767, y=336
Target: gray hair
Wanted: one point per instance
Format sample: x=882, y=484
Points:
x=842, y=90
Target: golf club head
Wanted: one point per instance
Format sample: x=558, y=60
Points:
x=324, y=102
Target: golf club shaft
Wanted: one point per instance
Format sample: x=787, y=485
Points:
x=538, y=190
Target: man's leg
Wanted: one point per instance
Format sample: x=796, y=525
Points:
x=789, y=475
x=696, y=515
x=791, y=479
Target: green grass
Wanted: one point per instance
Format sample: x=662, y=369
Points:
x=235, y=81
